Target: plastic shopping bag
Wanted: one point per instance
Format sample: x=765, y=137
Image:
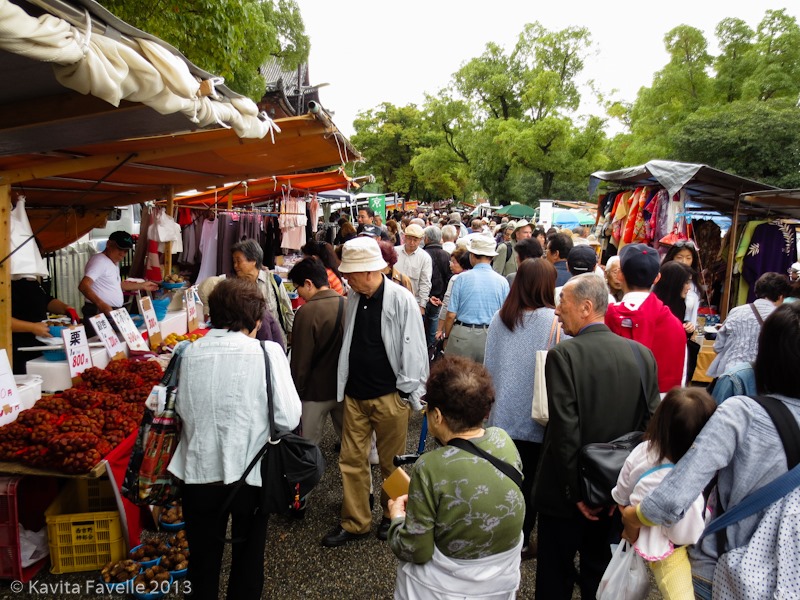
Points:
x=626, y=576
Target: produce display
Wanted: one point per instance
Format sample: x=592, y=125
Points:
x=174, y=278
x=175, y=559
x=172, y=515
x=72, y=431
x=150, y=579
x=120, y=571
x=179, y=541
x=149, y=551
x=173, y=338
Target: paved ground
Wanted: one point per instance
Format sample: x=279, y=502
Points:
x=297, y=566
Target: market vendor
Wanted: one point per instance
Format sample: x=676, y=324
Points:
x=101, y=283
x=30, y=305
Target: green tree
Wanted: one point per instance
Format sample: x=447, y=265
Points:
x=777, y=59
x=735, y=63
x=755, y=139
x=230, y=38
x=680, y=88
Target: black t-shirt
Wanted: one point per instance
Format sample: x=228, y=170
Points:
x=28, y=303
x=370, y=374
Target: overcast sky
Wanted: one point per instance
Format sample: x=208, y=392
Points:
x=373, y=51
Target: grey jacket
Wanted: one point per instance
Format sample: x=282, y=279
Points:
x=741, y=442
x=403, y=337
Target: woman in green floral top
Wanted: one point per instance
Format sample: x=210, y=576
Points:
x=459, y=530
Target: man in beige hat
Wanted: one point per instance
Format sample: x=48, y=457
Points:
x=477, y=294
x=415, y=263
x=382, y=371
x=504, y=263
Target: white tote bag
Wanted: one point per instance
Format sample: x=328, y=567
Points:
x=539, y=411
x=27, y=261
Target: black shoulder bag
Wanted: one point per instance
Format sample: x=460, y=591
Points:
x=291, y=465
x=507, y=469
x=599, y=464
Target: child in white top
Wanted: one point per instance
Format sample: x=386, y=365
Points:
x=672, y=430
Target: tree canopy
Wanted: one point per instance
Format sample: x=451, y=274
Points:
x=230, y=38
x=507, y=125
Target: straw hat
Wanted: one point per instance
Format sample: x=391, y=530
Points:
x=360, y=255
x=415, y=231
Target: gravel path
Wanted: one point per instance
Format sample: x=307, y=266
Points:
x=296, y=565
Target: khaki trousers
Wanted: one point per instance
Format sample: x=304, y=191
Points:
x=388, y=416
x=313, y=419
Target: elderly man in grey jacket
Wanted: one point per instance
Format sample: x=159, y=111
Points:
x=383, y=367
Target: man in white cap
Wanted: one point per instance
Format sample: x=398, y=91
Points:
x=504, y=263
x=794, y=272
x=477, y=294
x=415, y=263
x=383, y=367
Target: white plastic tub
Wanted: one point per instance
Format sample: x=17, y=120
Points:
x=29, y=388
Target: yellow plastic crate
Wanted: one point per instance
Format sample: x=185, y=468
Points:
x=80, y=538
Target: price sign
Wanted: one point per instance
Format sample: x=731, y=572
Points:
x=10, y=402
x=108, y=336
x=191, y=309
x=150, y=321
x=79, y=357
x=128, y=330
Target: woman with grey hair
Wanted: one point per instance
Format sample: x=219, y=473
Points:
x=248, y=258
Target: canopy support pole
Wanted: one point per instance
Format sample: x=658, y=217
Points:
x=5, y=270
x=170, y=209
x=732, y=246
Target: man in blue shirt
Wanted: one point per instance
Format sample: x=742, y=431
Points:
x=477, y=294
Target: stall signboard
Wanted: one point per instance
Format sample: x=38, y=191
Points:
x=378, y=204
x=150, y=321
x=108, y=336
x=130, y=333
x=191, y=309
x=79, y=357
x=10, y=402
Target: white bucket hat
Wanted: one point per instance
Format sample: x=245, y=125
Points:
x=360, y=255
x=482, y=246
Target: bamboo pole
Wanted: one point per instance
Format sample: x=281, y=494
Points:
x=727, y=296
x=168, y=245
x=5, y=270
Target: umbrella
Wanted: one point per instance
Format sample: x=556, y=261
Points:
x=517, y=211
x=571, y=218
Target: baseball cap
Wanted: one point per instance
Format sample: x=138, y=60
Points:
x=639, y=264
x=122, y=239
x=371, y=231
x=582, y=259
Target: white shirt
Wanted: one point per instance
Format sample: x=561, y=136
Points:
x=418, y=267
x=448, y=247
x=106, y=282
x=222, y=401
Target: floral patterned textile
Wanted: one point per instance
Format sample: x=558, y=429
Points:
x=461, y=503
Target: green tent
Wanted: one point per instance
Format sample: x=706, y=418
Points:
x=518, y=211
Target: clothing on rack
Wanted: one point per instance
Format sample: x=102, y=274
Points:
x=292, y=220
x=208, y=250
x=773, y=248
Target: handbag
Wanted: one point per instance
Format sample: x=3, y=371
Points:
x=147, y=480
x=599, y=463
x=626, y=577
x=291, y=465
x=540, y=412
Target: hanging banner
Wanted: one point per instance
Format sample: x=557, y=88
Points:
x=108, y=336
x=79, y=357
x=378, y=204
x=191, y=310
x=10, y=402
x=130, y=333
x=150, y=321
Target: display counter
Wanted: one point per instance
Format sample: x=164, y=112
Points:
x=704, y=358
x=55, y=374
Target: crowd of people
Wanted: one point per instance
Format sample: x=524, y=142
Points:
x=621, y=342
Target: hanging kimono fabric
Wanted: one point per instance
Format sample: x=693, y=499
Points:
x=772, y=249
x=208, y=251
x=620, y=214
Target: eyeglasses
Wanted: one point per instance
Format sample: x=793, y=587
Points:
x=685, y=244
